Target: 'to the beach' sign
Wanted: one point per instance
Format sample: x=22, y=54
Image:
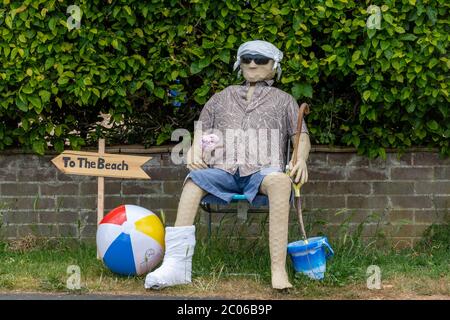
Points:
x=101, y=165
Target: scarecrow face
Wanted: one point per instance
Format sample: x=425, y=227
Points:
x=257, y=68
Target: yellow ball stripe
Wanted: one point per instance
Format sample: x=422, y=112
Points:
x=151, y=226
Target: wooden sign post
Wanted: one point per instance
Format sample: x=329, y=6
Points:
x=102, y=165
x=100, y=188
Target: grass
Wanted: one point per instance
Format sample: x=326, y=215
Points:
x=235, y=267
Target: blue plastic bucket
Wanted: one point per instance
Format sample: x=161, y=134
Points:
x=311, y=258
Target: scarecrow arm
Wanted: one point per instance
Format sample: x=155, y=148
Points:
x=299, y=169
x=194, y=155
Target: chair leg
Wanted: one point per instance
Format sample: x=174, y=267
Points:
x=208, y=207
x=242, y=210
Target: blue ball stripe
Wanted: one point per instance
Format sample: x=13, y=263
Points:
x=119, y=257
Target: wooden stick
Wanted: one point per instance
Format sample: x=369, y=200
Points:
x=304, y=109
x=101, y=189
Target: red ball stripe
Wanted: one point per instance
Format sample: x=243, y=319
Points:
x=116, y=216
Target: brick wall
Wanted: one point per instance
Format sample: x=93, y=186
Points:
x=404, y=194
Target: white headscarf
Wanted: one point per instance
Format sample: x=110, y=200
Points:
x=263, y=48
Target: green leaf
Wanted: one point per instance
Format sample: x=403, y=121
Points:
x=341, y=61
x=49, y=63
x=203, y=63
x=285, y=11
x=39, y=147
x=410, y=107
x=366, y=95
x=203, y=90
x=25, y=124
x=382, y=153
x=58, y=130
x=406, y=93
x=327, y=48
x=407, y=37
x=432, y=14
x=35, y=101
x=432, y=62
x=384, y=45
x=162, y=137
x=45, y=95
x=149, y=84
x=371, y=33
x=231, y=39
x=27, y=89
x=59, y=146
x=364, y=108
x=96, y=92
x=275, y=11
x=300, y=90
x=128, y=10
x=207, y=44
x=306, y=42
x=433, y=125
x=356, y=141
x=59, y=102
x=160, y=93
x=8, y=141
x=224, y=12
x=85, y=97
x=396, y=64
x=224, y=55
x=389, y=18
x=139, y=32
x=195, y=68
x=63, y=81
x=52, y=24
x=331, y=58
x=8, y=21
x=272, y=29
x=356, y=55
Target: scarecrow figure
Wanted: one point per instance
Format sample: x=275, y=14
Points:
x=254, y=106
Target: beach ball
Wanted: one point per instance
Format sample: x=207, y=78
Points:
x=130, y=240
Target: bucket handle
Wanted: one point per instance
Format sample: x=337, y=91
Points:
x=330, y=251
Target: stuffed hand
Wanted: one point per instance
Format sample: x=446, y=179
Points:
x=299, y=170
x=194, y=159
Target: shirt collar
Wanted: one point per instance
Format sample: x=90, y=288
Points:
x=261, y=83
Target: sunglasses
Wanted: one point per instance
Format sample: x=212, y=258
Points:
x=257, y=58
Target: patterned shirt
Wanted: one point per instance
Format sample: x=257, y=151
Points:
x=260, y=128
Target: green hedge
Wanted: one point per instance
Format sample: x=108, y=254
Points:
x=368, y=88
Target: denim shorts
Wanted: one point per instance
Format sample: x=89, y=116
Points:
x=225, y=185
